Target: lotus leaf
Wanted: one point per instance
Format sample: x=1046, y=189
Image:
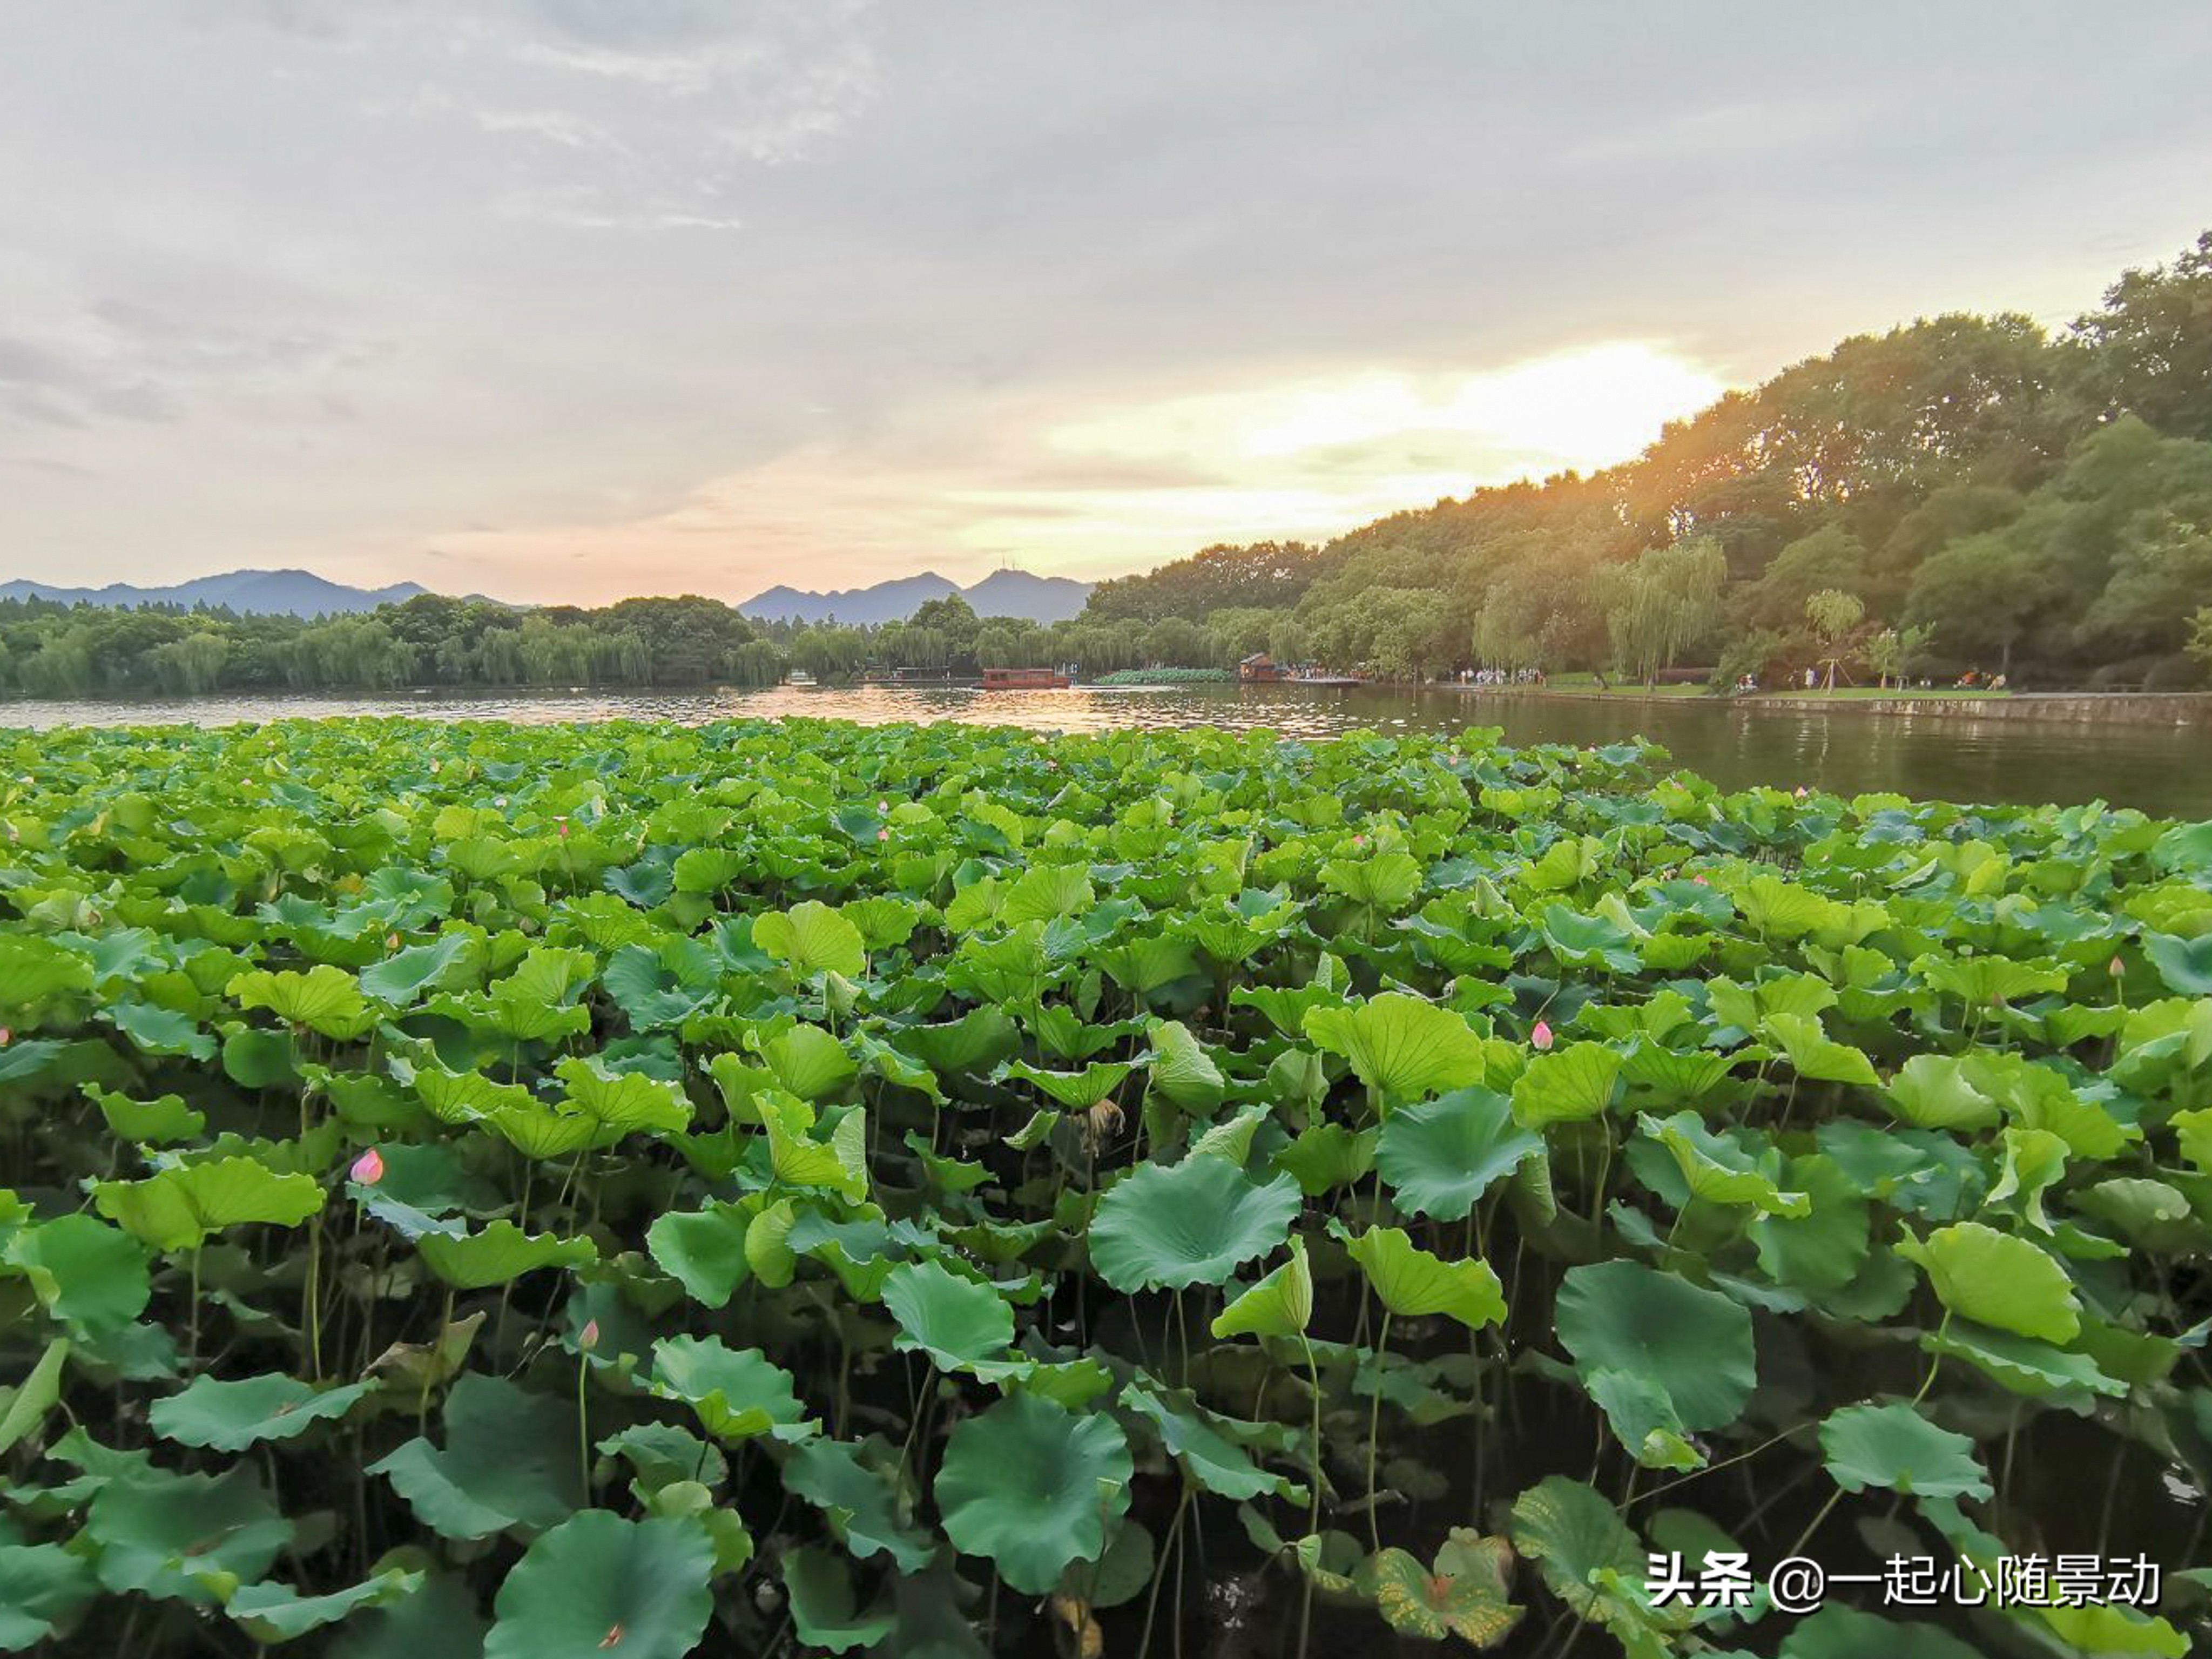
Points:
x=1191, y=1223
x=1032, y=1486
x=598, y=1583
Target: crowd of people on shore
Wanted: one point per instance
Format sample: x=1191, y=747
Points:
x=1497, y=676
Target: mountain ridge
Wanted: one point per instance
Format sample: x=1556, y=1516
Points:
x=260, y=592
x=1002, y=594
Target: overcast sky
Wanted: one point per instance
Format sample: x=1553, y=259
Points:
x=573, y=299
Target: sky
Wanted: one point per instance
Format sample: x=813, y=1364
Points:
x=569, y=299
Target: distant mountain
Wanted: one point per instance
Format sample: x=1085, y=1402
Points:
x=1001, y=593
x=892, y=601
x=266, y=593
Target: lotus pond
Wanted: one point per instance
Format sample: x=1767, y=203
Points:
x=793, y=1187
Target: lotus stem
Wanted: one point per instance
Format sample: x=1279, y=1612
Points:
x=1313, y=1515
x=1375, y=1430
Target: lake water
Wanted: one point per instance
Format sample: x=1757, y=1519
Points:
x=2164, y=769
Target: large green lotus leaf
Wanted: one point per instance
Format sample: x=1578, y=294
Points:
x=1823, y=1249
x=737, y=1392
x=957, y=1322
x=324, y=999
x=825, y=1611
x=1816, y=1056
x=231, y=1415
x=704, y=1250
x=1566, y=1085
x=812, y=938
x=160, y=1535
x=597, y=1584
x=2103, y=1629
x=797, y=1160
x=1591, y=1561
x=1584, y=941
x=1693, y=1343
x=41, y=1585
x=1674, y=1077
x=1045, y=891
x=406, y=974
x=1327, y=1156
x=1464, y=1595
x=2192, y=1130
x=160, y=1031
x=83, y=1272
x=1438, y=1157
x=1164, y=1227
x=808, y=1062
x=500, y=1252
x=974, y=1043
x=461, y=1097
x=1995, y=1278
x=2022, y=1365
x=509, y=1461
x=1281, y=1304
x=440, y=1620
x=273, y=1613
x=1382, y=881
x=1413, y=1283
x=1032, y=1487
x=1933, y=1093
x=1210, y=1459
x=2185, y=964
x=1401, y=1047
x=1076, y=1090
x=1836, y=1632
x=1718, y=1169
x=1180, y=1069
x=860, y=1503
x=160, y=1122
x=179, y=1208
x=1893, y=1446
x=622, y=1101
x=1643, y=1419
x=34, y=968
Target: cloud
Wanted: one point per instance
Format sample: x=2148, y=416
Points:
x=710, y=294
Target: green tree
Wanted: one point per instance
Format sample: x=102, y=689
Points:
x=1661, y=603
x=1833, y=614
x=2149, y=349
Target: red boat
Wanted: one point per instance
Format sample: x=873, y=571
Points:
x=1024, y=679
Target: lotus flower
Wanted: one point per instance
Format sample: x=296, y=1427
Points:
x=1701, y=881
x=1539, y=1037
x=7, y=1037
x=882, y=834
x=1801, y=792
x=369, y=1168
x=563, y=823
x=589, y=1338
x=883, y=809
x=2117, y=968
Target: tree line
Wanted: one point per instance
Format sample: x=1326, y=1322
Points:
x=1966, y=493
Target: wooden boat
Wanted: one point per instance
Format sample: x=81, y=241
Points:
x=1024, y=679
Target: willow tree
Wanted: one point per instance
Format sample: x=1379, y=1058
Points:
x=1833, y=614
x=1662, y=604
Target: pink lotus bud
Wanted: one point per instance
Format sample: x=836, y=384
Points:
x=2116, y=967
x=882, y=834
x=1541, y=1038
x=883, y=809
x=1801, y=792
x=500, y=800
x=369, y=1168
x=1701, y=881
x=563, y=823
x=589, y=1338
x=1359, y=840
x=7, y=1037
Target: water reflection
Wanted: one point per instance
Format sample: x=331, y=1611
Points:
x=2162, y=769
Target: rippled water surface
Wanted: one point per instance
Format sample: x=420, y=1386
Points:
x=2166, y=769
